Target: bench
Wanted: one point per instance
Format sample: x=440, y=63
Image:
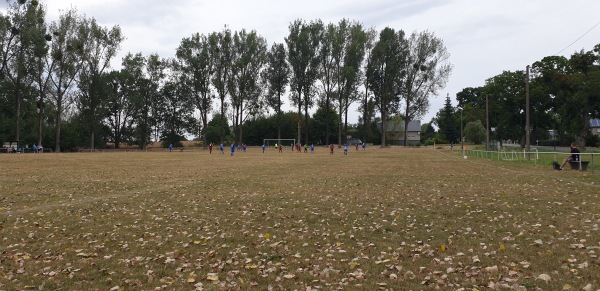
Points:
x=575, y=165
x=10, y=146
x=5, y=150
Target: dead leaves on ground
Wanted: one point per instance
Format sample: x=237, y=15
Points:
x=267, y=227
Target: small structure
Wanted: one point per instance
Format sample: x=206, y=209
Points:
x=595, y=126
x=354, y=141
x=10, y=146
x=395, y=132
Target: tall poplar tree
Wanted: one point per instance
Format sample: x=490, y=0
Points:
x=100, y=46
x=425, y=71
x=23, y=42
x=383, y=73
x=221, y=45
x=249, y=56
x=67, y=57
x=276, y=76
x=195, y=64
x=350, y=71
x=303, y=44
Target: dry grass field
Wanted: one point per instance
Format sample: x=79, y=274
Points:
x=393, y=219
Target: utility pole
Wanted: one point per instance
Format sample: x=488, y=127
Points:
x=487, y=124
x=462, y=145
x=527, y=124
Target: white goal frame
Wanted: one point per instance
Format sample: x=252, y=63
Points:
x=278, y=141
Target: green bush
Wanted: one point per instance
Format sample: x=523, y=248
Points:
x=592, y=140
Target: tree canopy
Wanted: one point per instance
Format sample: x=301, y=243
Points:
x=58, y=87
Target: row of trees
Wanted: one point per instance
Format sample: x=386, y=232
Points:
x=284, y=127
x=564, y=96
x=60, y=73
x=42, y=64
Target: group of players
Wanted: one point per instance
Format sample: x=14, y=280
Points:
x=298, y=147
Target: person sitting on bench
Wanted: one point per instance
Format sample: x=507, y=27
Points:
x=574, y=157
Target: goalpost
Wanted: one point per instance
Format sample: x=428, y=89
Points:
x=285, y=142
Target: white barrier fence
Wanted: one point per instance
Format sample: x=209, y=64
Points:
x=586, y=161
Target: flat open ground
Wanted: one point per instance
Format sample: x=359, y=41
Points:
x=383, y=218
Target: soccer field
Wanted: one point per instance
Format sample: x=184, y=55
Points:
x=377, y=219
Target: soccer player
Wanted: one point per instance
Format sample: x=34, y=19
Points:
x=280, y=148
x=364, y=145
x=244, y=147
x=312, y=148
x=221, y=150
x=331, y=149
x=345, y=149
x=305, y=148
x=210, y=148
x=232, y=148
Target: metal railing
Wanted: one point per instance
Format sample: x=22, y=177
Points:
x=586, y=161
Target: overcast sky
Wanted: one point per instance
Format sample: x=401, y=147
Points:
x=484, y=38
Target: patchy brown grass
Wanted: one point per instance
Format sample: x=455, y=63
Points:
x=379, y=219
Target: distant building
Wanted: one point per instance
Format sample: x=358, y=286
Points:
x=353, y=141
x=595, y=126
x=395, y=132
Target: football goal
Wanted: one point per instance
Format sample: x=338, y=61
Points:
x=285, y=142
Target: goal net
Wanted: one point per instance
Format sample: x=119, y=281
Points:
x=285, y=142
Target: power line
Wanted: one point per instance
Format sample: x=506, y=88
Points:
x=597, y=23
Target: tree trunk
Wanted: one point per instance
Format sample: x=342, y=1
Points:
x=202, y=131
x=18, y=115
x=383, y=118
x=580, y=140
x=58, y=121
x=327, y=118
x=92, y=122
x=346, y=125
x=306, y=127
x=279, y=119
x=92, y=138
x=406, y=121
x=241, y=125
x=340, y=140
x=365, y=114
x=299, y=117
x=40, y=119
x=145, y=129
x=222, y=127
x=118, y=130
